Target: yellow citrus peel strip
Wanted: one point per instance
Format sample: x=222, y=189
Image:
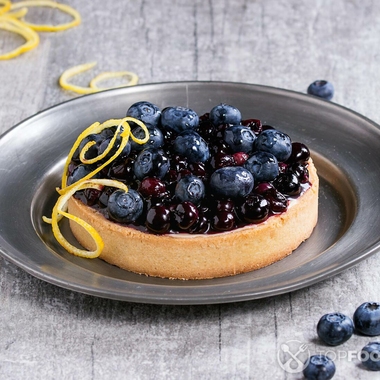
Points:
x=13, y=25
x=60, y=209
x=93, y=86
x=5, y=6
x=52, y=4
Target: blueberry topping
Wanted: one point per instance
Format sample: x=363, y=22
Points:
x=275, y=142
x=367, y=318
x=151, y=163
x=225, y=114
x=190, y=188
x=192, y=146
x=255, y=209
x=239, y=138
x=370, y=356
x=287, y=183
x=319, y=367
x=80, y=172
x=125, y=207
x=158, y=219
x=300, y=153
x=335, y=328
x=263, y=166
x=231, y=182
x=322, y=89
x=185, y=215
x=156, y=138
x=179, y=119
x=147, y=112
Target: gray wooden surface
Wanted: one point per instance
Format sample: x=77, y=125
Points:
x=50, y=333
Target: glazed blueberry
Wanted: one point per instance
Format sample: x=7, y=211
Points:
x=225, y=114
x=191, y=145
x=231, y=182
x=239, y=138
x=158, y=219
x=255, y=209
x=151, y=187
x=319, y=367
x=275, y=142
x=370, y=356
x=185, y=215
x=287, y=183
x=322, y=89
x=190, y=188
x=367, y=318
x=223, y=221
x=125, y=207
x=335, y=328
x=156, y=138
x=151, y=162
x=300, y=153
x=147, y=112
x=263, y=166
x=179, y=119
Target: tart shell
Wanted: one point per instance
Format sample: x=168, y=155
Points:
x=187, y=256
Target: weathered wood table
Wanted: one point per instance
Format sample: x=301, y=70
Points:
x=47, y=332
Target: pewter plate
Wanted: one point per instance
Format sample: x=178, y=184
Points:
x=345, y=147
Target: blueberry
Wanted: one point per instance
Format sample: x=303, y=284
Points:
x=225, y=114
x=156, y=138
x=239, y=138
x=190, y=188
x=231, y=182
x=192, y=146
x=335, y=328
x=125, y=207
x=367, y=318
x=263, y=166
x=92, y=152
x=319, y=367
x=151, y=162
x=370, y=356
x=322, y=89
x=255, y=209
x=179, y=119
x=147, y=112
x=275, y=142
x=80, y=172
x=287, y=183
x=123, y=154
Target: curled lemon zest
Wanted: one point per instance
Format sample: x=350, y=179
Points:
x=13, y=25
x=52, y=4
x=92, y=88
x=5, y=6
x=17, y=14
x=66, y=192
x=132, y=79
x=97, y=128
x=67, y=74
x=60, y=208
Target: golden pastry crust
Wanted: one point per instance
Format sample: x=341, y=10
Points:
x=186, y=256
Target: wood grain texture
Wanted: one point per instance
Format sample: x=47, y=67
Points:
x=51, y=333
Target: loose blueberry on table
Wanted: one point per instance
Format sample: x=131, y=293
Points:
x=367, y=318
x=196, y=174
x=319, y=367
x=335, y=328
x=370, y=356
x=321, y=88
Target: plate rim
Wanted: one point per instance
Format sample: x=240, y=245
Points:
x=6, y=251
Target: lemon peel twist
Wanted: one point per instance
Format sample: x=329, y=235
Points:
x=52, y=4
x=13, y=25
x=12, y=19
x=123, y=131
x=93, y=86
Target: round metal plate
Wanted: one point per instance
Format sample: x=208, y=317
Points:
x=345, y=147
